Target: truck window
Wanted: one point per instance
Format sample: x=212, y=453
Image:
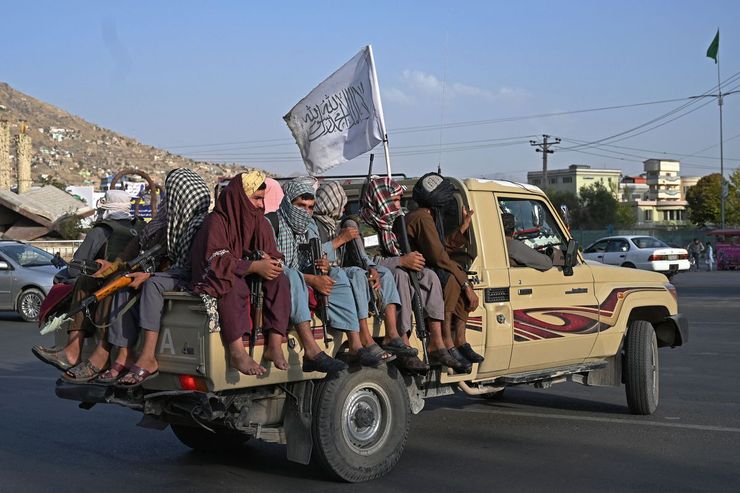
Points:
x=535, y=225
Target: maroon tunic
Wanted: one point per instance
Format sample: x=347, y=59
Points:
x=233, y=230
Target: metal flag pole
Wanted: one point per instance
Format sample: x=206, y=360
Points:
x=721, y=151
x=379, y=109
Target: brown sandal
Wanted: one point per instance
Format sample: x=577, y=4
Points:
x=107, y=377
x=83, y=372
x=135, y=377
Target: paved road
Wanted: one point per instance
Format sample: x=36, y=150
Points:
x=567, y=438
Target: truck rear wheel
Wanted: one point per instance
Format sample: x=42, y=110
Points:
x=202, y=440
x=360, y=423
x=641, y=366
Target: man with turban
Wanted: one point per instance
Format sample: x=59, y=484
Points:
x=434, y=193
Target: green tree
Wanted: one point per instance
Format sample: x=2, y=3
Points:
x=625, y=216
x=704, y=200
x=597, y=208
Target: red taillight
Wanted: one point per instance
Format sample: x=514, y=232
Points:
x=653, y=258
x=189, y=382
x=683, y=256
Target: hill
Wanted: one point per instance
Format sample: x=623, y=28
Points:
x=72, y=151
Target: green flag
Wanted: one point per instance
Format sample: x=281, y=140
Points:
x=714, y=48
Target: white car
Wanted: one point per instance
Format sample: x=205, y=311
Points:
x=641, y=252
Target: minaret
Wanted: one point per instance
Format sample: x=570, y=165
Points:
x=23, y=158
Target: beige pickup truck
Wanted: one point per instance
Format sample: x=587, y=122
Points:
x=584, y=322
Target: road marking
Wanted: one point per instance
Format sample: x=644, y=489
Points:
x=572, y=417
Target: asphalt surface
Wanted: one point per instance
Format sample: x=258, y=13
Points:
x=566, y=438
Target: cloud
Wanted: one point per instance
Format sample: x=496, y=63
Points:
x=430, y=84
x=396, y=95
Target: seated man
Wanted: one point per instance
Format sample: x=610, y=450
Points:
x=380, y=205
x=293, y=225
x=221, y=265
x=177, y=222
x=520, y=255
x=341, y=244
x=106, y=240
x=433, y=193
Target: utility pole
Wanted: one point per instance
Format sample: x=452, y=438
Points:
x=544, y=148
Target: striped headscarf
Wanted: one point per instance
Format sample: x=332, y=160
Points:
x=330, y=202
x=378, y=210
x=293, y=221
x=188, y=200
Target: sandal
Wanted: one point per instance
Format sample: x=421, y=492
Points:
x=385, y=356
x=397, y=347
x=469, y=354
x=412, y=365
x=323, y=363
x=363, y=357
x=83, y=372
x=443, y=357
x=135, y=377
x=107, y=377
x=57, y=359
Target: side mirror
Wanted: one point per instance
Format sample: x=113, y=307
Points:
x=571, y=257
x=57, y=261
x=4, y=265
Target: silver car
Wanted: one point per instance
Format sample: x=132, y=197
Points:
x=26, y=276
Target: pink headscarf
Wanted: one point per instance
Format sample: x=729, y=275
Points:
x=273, y=195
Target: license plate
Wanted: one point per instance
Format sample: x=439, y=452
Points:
x=672, y=257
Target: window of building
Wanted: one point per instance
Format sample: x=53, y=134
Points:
x=648, y=215
x=666, y=215
x=535, y=181
x=553, y=181
x=567, y=179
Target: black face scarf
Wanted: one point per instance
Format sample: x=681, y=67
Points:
x=435, y=192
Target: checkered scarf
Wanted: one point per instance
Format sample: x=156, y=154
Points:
x=378, y=210
x=330, y=203
x=188, y=199
x=293, y=221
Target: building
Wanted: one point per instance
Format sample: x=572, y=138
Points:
x=575, y=177
x=664, y=201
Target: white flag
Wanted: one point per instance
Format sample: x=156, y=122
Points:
x=341, y=118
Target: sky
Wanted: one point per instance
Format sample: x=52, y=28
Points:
x=465, y=85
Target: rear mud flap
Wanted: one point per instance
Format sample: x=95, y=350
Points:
x=297, y=422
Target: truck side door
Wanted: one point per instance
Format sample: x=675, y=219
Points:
x=556, y=317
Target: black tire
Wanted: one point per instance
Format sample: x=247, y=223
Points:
x=29, y=304
x=202, y=440
x=352, y=451
x=629, y=265
x=641, y=366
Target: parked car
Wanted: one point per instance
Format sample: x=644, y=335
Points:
x=641, y=252
x=26, y=276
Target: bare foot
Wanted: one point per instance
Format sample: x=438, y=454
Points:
x=241, y=360
x=274, y=351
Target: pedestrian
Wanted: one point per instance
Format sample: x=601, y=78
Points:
x=695, y=248
x=710, y=256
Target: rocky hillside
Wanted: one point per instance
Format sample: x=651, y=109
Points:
x=73, y=151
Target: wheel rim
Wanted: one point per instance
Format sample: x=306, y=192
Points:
x=366, y=418
x=31, y=305
x=653, y=369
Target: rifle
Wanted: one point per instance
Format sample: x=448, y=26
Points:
x=145, y=262
x=358, y=248
x=314, y=251
x=418, y=307
x=86, y=267
x=257, y=299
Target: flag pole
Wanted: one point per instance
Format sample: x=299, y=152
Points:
x=379, y=108
x=721, y=151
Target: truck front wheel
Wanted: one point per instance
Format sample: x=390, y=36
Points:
x=641, y=366
x=360, y=423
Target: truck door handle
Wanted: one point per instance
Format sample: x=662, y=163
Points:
x=577, y=291
x=525, y=291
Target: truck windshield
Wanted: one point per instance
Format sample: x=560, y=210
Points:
x=535, y=225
